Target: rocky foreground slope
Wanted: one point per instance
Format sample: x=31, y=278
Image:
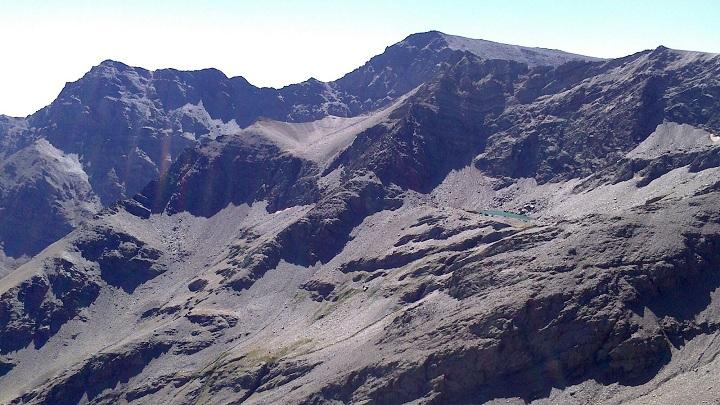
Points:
x=533, y=230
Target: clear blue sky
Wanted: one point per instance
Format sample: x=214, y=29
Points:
x=46, y=43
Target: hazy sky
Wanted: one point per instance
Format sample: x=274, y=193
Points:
x=46, y=43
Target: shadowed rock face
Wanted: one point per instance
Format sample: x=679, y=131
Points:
x=541, y=227
x=232, y=173
x=37, y=308
x=99, y=373
x=43, y=194
x=124, y=261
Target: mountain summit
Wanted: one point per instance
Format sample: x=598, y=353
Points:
x=455, y=221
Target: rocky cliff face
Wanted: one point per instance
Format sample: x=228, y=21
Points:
x=438, y=226
x=44, y=193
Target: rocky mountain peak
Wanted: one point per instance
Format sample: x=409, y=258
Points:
x=111, y=65
x=424, y=39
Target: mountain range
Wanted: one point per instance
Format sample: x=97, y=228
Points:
x=456, y=221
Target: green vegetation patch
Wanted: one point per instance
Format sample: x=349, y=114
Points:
x=506, y=214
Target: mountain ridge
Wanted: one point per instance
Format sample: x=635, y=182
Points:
x=122, y=150
x=494, y=223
